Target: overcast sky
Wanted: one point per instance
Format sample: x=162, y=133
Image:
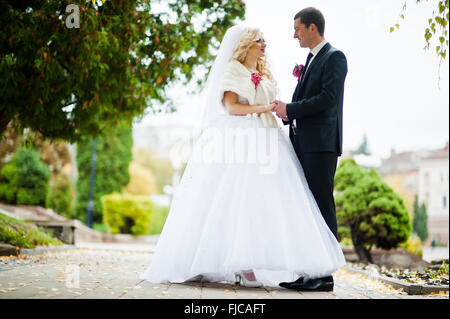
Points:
x=391, y=89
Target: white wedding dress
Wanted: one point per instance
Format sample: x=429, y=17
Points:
x=229, y=215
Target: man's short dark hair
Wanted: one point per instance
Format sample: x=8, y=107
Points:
x=310, y=16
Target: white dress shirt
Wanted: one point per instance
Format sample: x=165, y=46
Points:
x=314, y=52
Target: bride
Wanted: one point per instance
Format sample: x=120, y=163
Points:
x=234, y=218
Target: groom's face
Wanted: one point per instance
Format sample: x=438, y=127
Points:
x=301, y=33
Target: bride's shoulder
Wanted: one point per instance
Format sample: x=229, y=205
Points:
x=234, y=65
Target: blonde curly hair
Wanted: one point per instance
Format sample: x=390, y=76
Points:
x=246, y=41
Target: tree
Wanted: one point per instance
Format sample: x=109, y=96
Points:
x=438, y=19
x=363, y=147
x=420, y=221
x=114, y=154
x=374, y=213
x=54, y=153
x=24, y=180
x=60, y=195
x=68, y=82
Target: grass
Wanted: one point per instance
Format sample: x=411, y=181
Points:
x=18, y=233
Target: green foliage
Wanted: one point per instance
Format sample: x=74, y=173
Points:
x=158, y=218
x=100, y=227
x=345, y=235
x=439, y=19
x=374, y=213
x=24, y=180
x=18, y=233
x=114, y=153
x=69, y=82
x=127, y=214
x=414, y=246
x=444, y=268
x=59, y=197
x=420, y=220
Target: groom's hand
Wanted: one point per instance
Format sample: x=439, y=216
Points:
x=280, y=109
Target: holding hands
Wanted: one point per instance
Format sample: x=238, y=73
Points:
x=271, y=107
x=280, y=109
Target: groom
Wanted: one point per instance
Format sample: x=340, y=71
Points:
x=315, y=122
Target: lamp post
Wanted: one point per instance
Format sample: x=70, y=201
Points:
x=90, y=204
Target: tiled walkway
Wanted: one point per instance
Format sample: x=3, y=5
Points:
x=108, y=273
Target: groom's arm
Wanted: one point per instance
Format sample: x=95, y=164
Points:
x=334, y=77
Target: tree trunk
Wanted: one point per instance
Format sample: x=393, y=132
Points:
x=360, y=249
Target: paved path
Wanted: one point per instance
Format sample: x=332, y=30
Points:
x=114, y=273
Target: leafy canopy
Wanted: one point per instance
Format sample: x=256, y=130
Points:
x=68, y=82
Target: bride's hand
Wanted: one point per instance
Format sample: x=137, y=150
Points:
x=270, y=107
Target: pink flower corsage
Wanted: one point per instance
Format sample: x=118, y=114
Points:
x=297, y=70
x=256, y=78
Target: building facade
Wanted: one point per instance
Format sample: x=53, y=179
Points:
x=434, y=193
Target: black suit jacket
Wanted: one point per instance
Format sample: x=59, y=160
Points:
x=317, y=104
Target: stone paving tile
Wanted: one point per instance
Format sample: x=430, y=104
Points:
x=115, y=274
x=181, y=291
x=280, y=293
x=213, y=290
x=252, y=293
x=318, y=295
x=347, y=292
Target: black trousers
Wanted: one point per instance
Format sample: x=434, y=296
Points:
x=319, y=171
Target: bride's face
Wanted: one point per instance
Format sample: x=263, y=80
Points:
x=258, y=49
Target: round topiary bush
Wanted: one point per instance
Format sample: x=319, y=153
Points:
x=375, y=215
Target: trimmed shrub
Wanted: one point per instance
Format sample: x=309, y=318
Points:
x=127, y=214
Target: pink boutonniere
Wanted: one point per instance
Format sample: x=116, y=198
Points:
x=256, y=78
x=297, y=70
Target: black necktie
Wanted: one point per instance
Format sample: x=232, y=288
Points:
x=310, y=55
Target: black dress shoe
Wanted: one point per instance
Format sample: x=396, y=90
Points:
x=288, y=284
x=318, y=284
x=327, y=279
